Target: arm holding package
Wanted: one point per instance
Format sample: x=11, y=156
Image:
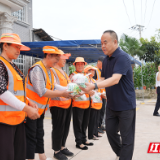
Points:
x=12, y=101
x=59, y=87
x=38, y=82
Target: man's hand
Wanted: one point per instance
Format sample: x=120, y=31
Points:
x=32, y=113
x=67, y=94
x=103, y=95
x=32, y=104
x=80, y=94
x=89, y=87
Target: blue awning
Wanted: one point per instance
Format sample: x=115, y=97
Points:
x=89, y=49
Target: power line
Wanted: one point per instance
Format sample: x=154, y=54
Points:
x=138, y=28
x=135, y=35
x=134, y=12
x=129, y=32
x=126, y=12
x=151, y=13
x=145, y=12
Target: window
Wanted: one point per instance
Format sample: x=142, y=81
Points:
x=19, y=14
x=20, y=63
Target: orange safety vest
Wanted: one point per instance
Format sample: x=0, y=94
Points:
x=81, y=103
x=62, y=80
x=98, y=72
x=96, y=105
x=8, y=114
x=42, y=102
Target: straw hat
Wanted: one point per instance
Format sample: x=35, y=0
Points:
x=79, y=59
x=52, y=50
x=14, y=39
x=87, y=68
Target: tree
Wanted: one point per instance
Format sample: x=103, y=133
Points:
x=71, y=69
x=131, y=45
x=151, y=50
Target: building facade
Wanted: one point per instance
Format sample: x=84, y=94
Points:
x=16, y=17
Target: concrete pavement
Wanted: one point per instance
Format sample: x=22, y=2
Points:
x=147, y=130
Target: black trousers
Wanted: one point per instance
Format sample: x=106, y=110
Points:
x=102, y=112
x=34, y=137
x=12, y=142
x=125, y=120
x=158, y=101
x=60, y=126
x=93, y=123
x=80, y=124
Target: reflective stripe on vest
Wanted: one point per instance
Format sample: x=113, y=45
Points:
x=81, y=103
x=98, y=72
x=8, y=114
x=60, y=101
x=42, y=102
x=96, y=105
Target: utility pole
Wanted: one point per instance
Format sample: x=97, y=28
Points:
x=138, y=28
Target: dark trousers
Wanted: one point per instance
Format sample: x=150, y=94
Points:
x=125, y=120
x=12, y=142
x=93, y=123
x=60, y=126
x=158, y=101
x=80, y=124
x=34, y=137
x=102, y=112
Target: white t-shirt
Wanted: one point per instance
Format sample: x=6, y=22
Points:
x=157, y=82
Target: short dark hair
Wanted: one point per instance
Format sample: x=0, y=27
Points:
x=112, y=33
x=101, y=58
x=1, y=46
x=45, y=55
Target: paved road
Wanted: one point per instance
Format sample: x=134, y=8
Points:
x=147, y=130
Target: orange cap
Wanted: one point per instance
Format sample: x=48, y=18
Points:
x=65, y=56
x=79, y=59
x=61, y=51
x=51, y=50
x=87, y=68
x=14, y=39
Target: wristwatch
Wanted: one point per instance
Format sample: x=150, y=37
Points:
x=96, y=87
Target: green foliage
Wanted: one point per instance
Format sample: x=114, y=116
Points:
x=151, y=49
x=71, y=69
x=148, y=71
x=137, y=77
x=130, y=45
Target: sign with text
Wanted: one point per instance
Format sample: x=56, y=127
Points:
x=154, y=147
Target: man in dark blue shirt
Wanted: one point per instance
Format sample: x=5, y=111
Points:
x=121, y=103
